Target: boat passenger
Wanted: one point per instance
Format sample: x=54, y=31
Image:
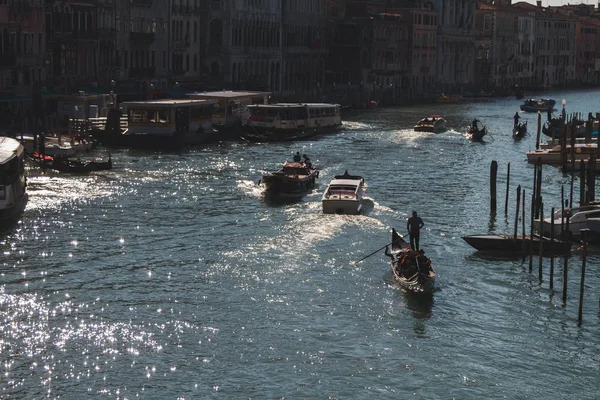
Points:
x=297, y=157
x=517, y=117
x=414, y=225
x=306, y=161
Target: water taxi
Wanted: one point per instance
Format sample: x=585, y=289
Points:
x=577, y=217
x=431, y=123
x=231, y=108
x=290, y=121
x=344, y=195
x=293, y=180
x=535, y=105
x=13, y=193
x=161, y=124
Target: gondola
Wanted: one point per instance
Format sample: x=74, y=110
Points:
x=412, y=270
x=520, y=130
x=476, y=134
x=65, y=164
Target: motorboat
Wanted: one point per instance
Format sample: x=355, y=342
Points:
x=583, y=151
x=577, y=218
x=294, y=179
x=411, y=269
x=344, y=195
x=535, y=105
x=13, y=184
x=432, y=123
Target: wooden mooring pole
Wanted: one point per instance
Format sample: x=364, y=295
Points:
x=582, y=283
x=539, y=130
x=541, y=242
x=552, y=249
x=582, y=182
x=531, y=233
x=517, y=216
x=507, y=189
x=493, y=176
x=523, y=221
x=565, y=277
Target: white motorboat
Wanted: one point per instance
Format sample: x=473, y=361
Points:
x=344, y=195
x=13, y=193
x=553, y=155
x=577, y=217
x=431, y=123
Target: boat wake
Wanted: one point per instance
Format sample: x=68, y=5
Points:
x=50, y=192
x=250, y=188
x=355, y=126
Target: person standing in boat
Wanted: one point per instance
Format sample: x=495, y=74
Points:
x=517, y=117
x=474, y=124
x=414, y=225
x=306, y=161
x=297, y=157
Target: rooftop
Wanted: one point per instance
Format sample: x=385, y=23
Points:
x=228, y=94
x=169, y=102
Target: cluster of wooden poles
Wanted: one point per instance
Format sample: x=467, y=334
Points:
x=537, y=212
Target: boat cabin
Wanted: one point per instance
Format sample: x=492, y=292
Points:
x=12, y=171
x=231, y=105
x=167, y=116
x=295, y=168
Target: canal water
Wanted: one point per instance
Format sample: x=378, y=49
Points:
x=171, y=277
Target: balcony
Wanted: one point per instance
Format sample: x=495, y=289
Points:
x=142, y=72
x=142, y=38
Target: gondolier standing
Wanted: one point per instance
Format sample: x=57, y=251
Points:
x=414, y=225
x=517, y=117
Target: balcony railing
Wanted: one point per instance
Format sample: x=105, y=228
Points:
x=142, y=37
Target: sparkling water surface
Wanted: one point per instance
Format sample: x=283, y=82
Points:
x=171, y=277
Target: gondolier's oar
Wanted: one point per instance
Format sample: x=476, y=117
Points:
x=378, y=250
x=488, y=132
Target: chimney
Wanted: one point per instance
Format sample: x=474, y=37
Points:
x=539, y=3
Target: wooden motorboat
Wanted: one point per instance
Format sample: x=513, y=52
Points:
x=432, y=123
x=13, y=184
x=508, y=244
x=412, y=270
x=520, y=130
x=535, y=105
x=476, y=134
x=72, y=165
x=578, y=219
x=583, y=151
x=294, y=179
x=344, y=195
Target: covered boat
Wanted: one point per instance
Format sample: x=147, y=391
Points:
x=443, y=99
x=411, y=269
x=13, y=193
x=535, y=105
x=294, y=179
x=431, y=123
x=508, y=244
x=520, y=130
x=344, y=195
x=72, y=165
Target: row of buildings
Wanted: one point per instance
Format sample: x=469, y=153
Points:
x=294, y=48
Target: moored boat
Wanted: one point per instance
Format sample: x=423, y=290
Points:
x=72, y=165
x=294, y=179
x=583, y=151
x=520, y=130
x=432, y=123
x=535, y=105
x=577, y=217
x=507, y=244
x=344, y=195
x=161, y=124
x=412, y=270
x=13, y=184
x=290, y=121
x=443, y=99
